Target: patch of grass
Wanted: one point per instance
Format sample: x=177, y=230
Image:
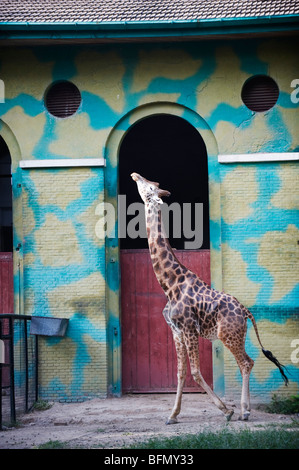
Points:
x=53, y=445
x=294, y=424
x=10, y=424
x=281, y=405
x=245, y=439
x=42, y=405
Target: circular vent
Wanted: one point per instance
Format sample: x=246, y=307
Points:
x=63, y=99
x=260, y=93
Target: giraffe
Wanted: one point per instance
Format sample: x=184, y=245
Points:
x=196, y=309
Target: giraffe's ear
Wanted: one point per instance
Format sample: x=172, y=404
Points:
x=163, y=193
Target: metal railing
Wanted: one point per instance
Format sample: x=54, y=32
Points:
x=18, y=367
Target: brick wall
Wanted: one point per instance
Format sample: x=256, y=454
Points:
x=64, y=276
x=64, y=269
x=260, y=266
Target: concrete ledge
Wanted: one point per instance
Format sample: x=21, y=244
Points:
x=259, y=157
x=62, y=163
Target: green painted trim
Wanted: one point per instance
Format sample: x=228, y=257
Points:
x=218, y=368
x=18, y=261
x=152, y=29
x=112, y=249
x=195, y=23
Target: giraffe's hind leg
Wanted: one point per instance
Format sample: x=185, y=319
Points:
x=193, y=353
x=236, y=344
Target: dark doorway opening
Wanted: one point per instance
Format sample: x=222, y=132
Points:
x=167, y=149
x=6, y=228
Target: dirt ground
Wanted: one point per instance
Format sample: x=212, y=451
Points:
x=117, y=422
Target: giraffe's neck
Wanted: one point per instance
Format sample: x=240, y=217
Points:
x=165, y=264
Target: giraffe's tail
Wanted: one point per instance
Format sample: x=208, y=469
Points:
x=267, y=353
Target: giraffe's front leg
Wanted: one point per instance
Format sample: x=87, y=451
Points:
x=181, y=371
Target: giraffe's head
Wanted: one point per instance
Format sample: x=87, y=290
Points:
x=149, y=191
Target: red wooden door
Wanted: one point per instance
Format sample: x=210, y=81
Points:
x=148, y=353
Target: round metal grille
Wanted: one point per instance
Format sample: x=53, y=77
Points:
x=260, y=93
x=63, y=99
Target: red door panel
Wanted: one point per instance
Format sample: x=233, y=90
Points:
x=6, y=304
x=6, y=283
x=148, y=352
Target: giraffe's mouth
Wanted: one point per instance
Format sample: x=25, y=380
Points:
x=135, y=176
x=161, y=192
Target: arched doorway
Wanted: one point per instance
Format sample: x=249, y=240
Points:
x=5, y=199
x=6, y=231
x=168, y=149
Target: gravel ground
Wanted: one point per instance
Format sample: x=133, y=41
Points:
x=117, y=422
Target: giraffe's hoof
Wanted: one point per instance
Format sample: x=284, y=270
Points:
x=171, y=421
x=229, y=415
x=245, y=416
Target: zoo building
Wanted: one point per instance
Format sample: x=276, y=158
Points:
x=202, y=97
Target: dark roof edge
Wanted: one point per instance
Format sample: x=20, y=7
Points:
x=146, y=29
